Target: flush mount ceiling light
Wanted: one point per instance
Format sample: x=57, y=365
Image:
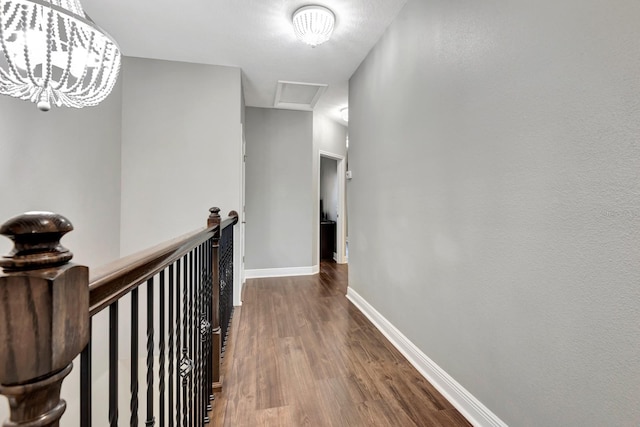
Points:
x=313, y=24
x=344, y=113
x=54, y=53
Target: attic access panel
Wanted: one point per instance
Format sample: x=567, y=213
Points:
x=297, y=95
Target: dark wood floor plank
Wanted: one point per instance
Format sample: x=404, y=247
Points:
x=300, y=354
x=450, y=418
x=269, y=385
x=275, y=417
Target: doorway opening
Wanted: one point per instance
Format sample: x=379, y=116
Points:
x=332, y=215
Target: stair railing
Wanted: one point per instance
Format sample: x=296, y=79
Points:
x=47, y=305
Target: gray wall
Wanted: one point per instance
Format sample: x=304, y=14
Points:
x=66, y=161
x=497, y=146
x=181, y=145
x=329, y=135
x=278, y=189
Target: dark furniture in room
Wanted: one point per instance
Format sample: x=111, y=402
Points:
x=327, y=239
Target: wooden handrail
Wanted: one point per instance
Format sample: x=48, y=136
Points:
x=112, y=281
x=230, y=221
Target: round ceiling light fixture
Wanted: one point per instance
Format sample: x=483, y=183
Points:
x=344, y=114
x=313, y=24
x=51, y=52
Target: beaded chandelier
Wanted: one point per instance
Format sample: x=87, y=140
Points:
x=313, y=24
x=53, y=53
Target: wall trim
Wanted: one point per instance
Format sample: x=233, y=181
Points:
x=470, y=407
x=281, y=272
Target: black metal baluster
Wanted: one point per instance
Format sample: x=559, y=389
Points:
x=113, y=364
x=178, y=343
x=205, y=332
x=223, y=285
x=211, y=305
x=161, y=363
x=198, y=341
x=230, y=282
x=196, y=334
x=85, y=383
x=171, y=361
x=133, y=420
x=204, y=396
x=150, y=419
x=209, y=364
x=192, y=337
x=226, y=283
x=199, y=334
x=185, y=363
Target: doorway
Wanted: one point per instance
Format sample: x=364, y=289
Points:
x=332, y=215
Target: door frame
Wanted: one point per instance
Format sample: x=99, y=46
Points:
x=340, y=220
x=239, y=235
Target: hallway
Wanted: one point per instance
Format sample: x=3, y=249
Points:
x=301, y=354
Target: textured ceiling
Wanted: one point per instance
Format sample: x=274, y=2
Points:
x=255, y=35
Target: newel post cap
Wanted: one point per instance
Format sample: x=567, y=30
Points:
x=36, y=237
x=45, y=300
x=214, y=217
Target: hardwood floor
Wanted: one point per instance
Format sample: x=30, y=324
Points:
x=300, y=354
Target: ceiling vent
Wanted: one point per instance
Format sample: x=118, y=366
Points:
x=298, y=96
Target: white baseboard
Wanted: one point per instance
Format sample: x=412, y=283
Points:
x=470, y=407
x=281, y=272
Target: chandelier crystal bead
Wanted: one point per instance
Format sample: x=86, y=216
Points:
x=53, y=53
x=313, y=24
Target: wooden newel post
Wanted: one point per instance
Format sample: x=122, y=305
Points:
x=44, y=318
x=215, y=220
